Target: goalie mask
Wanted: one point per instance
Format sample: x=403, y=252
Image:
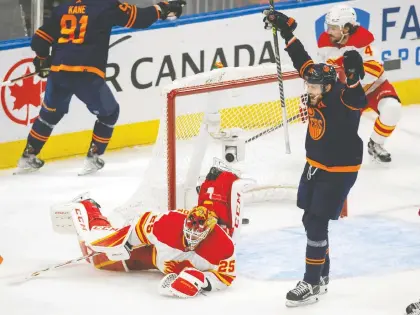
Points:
x=199, y=222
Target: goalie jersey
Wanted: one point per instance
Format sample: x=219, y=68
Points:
x=79, y=32
x=158, y=243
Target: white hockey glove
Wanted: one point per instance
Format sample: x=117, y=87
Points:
x=189, y=283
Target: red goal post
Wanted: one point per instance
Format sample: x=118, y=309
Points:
x=246, y=102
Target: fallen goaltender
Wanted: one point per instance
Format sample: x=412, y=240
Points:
x=193, y=248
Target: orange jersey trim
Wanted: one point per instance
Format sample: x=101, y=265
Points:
x=112, y=239
x=48, y=108
x=38, y=136
x=154, y=254
x=373, y=70
x=304, y=66
x=385, y=127
x=226, y=279
x=105, y=263
x=348, y=106
x=334, y=169
x=157, y=11
x=100, y=139
x=44, y=36
x=291, y=41
x=140, y=228
x=133, y=16
x=78, y=69
x=315, y=261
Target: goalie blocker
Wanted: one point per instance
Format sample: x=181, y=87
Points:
x=195, y=248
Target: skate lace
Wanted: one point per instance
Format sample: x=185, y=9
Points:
x=301, y=289
x=417, y=305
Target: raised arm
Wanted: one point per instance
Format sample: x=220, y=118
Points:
x=131, y=16
x=286, y=25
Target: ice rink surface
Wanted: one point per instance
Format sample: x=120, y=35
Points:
x=375, y=252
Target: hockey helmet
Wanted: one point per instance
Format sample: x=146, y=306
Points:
x=200, y=221
x=341, y=15
x=320, y=73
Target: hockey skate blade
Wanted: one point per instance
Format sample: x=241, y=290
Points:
x=308, y=301
x=85, y=172
x=322, y=290
x=22, y=171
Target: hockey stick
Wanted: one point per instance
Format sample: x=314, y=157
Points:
x=120, y=40
x=69, y=262
x=10, y=82
x=280, y=81
x=270, y=130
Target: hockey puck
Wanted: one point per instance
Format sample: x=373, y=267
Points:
x=245, y=221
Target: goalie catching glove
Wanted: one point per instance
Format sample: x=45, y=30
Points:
x=189, y=283
x=286, y=25
x=170, y=8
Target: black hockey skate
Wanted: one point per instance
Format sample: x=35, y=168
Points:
x=28, y=162
x=323, y=285
x=93, y=162
x=303, y=294
x=413, y=309
x=378, y=151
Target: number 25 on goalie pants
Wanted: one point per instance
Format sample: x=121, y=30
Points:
x=324, y=193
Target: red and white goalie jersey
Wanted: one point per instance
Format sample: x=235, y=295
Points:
x=157, y=241
x=193, y=248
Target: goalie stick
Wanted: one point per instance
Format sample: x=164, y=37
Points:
x=280, y=82
x=63, y=264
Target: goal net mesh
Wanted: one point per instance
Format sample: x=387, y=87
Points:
x=247, y=102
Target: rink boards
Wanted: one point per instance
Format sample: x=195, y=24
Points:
x=141, y=63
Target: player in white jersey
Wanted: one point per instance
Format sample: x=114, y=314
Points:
x=343, y=34
x=194, y=249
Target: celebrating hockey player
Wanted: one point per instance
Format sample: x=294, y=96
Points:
x=79, y=33
x=193, y=248
x=344, y=34
x=333, y=151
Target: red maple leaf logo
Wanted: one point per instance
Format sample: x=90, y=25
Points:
x=27, y=94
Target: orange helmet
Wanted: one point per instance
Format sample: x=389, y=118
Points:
x=199, y=222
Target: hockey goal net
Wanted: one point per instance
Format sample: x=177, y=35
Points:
x=243, y=103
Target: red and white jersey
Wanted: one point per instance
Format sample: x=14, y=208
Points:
x=362, y=41
x=215, y=255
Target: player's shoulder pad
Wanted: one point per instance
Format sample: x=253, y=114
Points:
x=216, y=247
x=361, y=38
x=168, y=229
x=324, y=41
